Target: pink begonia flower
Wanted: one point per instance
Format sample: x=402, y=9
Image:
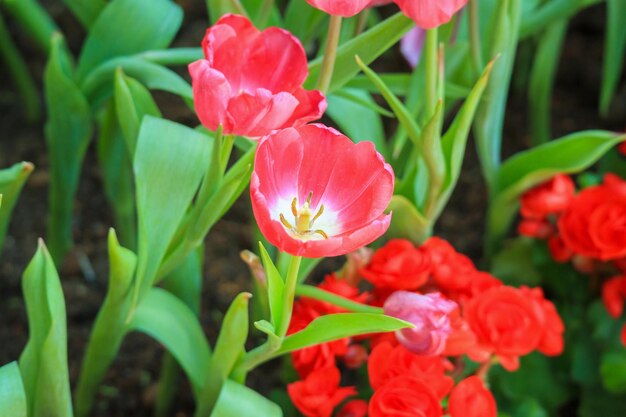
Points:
x=315, y=193
x=344, y=8
x=429, y=313
x=412, y=44
x=250, y=82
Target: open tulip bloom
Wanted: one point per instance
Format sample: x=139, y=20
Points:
x=250, y=82
x=315, y=193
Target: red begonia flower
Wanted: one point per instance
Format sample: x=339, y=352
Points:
x=386, y=362
x=405, y=396
x=250, y=82
x=552, y=327
x=429, y=313
x=344, y=8
x=622, y=335
x=550, y=197
x=354, y=408
x=614, y=295
x=594, y=225
x=319, y=393
x=398, y=266
x=559, y=250
x=315, y=193
x=470, y=398
x=536, y=228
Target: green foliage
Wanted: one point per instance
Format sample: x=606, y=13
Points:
x=237, y=400
x=12, y=395
x=614, y=50
x=11, y=182
x=43, y=363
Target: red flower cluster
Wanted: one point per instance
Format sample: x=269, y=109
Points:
x=587, y=228
x=456, y=309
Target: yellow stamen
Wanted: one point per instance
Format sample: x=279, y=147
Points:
x=285, y=222
x=318, y=214
x=302, y=217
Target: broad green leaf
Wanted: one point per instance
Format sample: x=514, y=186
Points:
x=68, y=130
x=595, y=402
x=169, y=163
x=514, y=263
x=368, y=46
x=11, y=182
x=407, y=222
x=114, y=160
x=154, y=24
x=275, y=287
x=337, y=326
x=132, y=102
x=98, y=86
x=110, y=326
x=357, y=117
x=230, y=346
x=613, y=371
x=36, y=21
x=490, y=113
x=574, y=153
x=311, y=291
x=303, y=20
x=12, y=395
x=530, y=408
x=86, y=11
x=168, y=320
x=237, y=400
x=173, y=56
x=614, y=50
x=43, y=362
x=218, y=8
x=545, y=64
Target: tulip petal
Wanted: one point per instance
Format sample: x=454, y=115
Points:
x=429, y=14
x=312, y=106
x=211, y=92
x=255, y=114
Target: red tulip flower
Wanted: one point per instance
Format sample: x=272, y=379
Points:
x=315, y=193
x=429, y=14
x=250, y=82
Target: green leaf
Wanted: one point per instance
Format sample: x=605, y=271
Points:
x=86, y=11
x=168, y=320
x=117, y=174
x=303, y=20
x=132, y=102
x=311, y=291
x=237, y=400
x=154, y=24
x=11, y=182
x=369, y=46
x=544, y=69
x=614, y=50
x=218, y=8
x=514, y=263
x=595, y=402
x=358, y=116
x=613, y=371
x=12, y=395
x=337, y=326
x=275, y=287
x=576, y=152
x=530, y=408
x=68, y=130
x=110, y=326
x=43, y=362
x=399, y=83
x=407, y=222
x=98, y=86
x=169, y=163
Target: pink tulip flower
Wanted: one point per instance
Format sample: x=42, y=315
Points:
x=429, y=14
x=315, y=193
x=429, y=313
x=344, y=8
x=250, y=82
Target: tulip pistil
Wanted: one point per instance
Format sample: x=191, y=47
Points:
x=304, y=219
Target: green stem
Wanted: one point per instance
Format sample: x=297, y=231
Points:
x=18, y=69
x=475, y=46
x=432, y=64
x=310, y=291
x=361, y=22
x=330, y=53
x=35, y=19
x=265, y=12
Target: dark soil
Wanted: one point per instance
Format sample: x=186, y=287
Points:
x=130, y=384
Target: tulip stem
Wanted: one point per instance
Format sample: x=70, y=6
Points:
x=291, y=281
x=432, y=64
x=328, y=64
x=361, y=22
x=477, y=54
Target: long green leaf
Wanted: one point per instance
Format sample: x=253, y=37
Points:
x=275, y=287
x=154, y=24
x=614, y=50
x=43, y=362
x=11, y=182
x=86, y=11
x=237, y=400
x=169, y=163
x=68, y=130
x=368, y=46
x=570, y=154
x=12, y=395
x=337, y=326
x=172, y=323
